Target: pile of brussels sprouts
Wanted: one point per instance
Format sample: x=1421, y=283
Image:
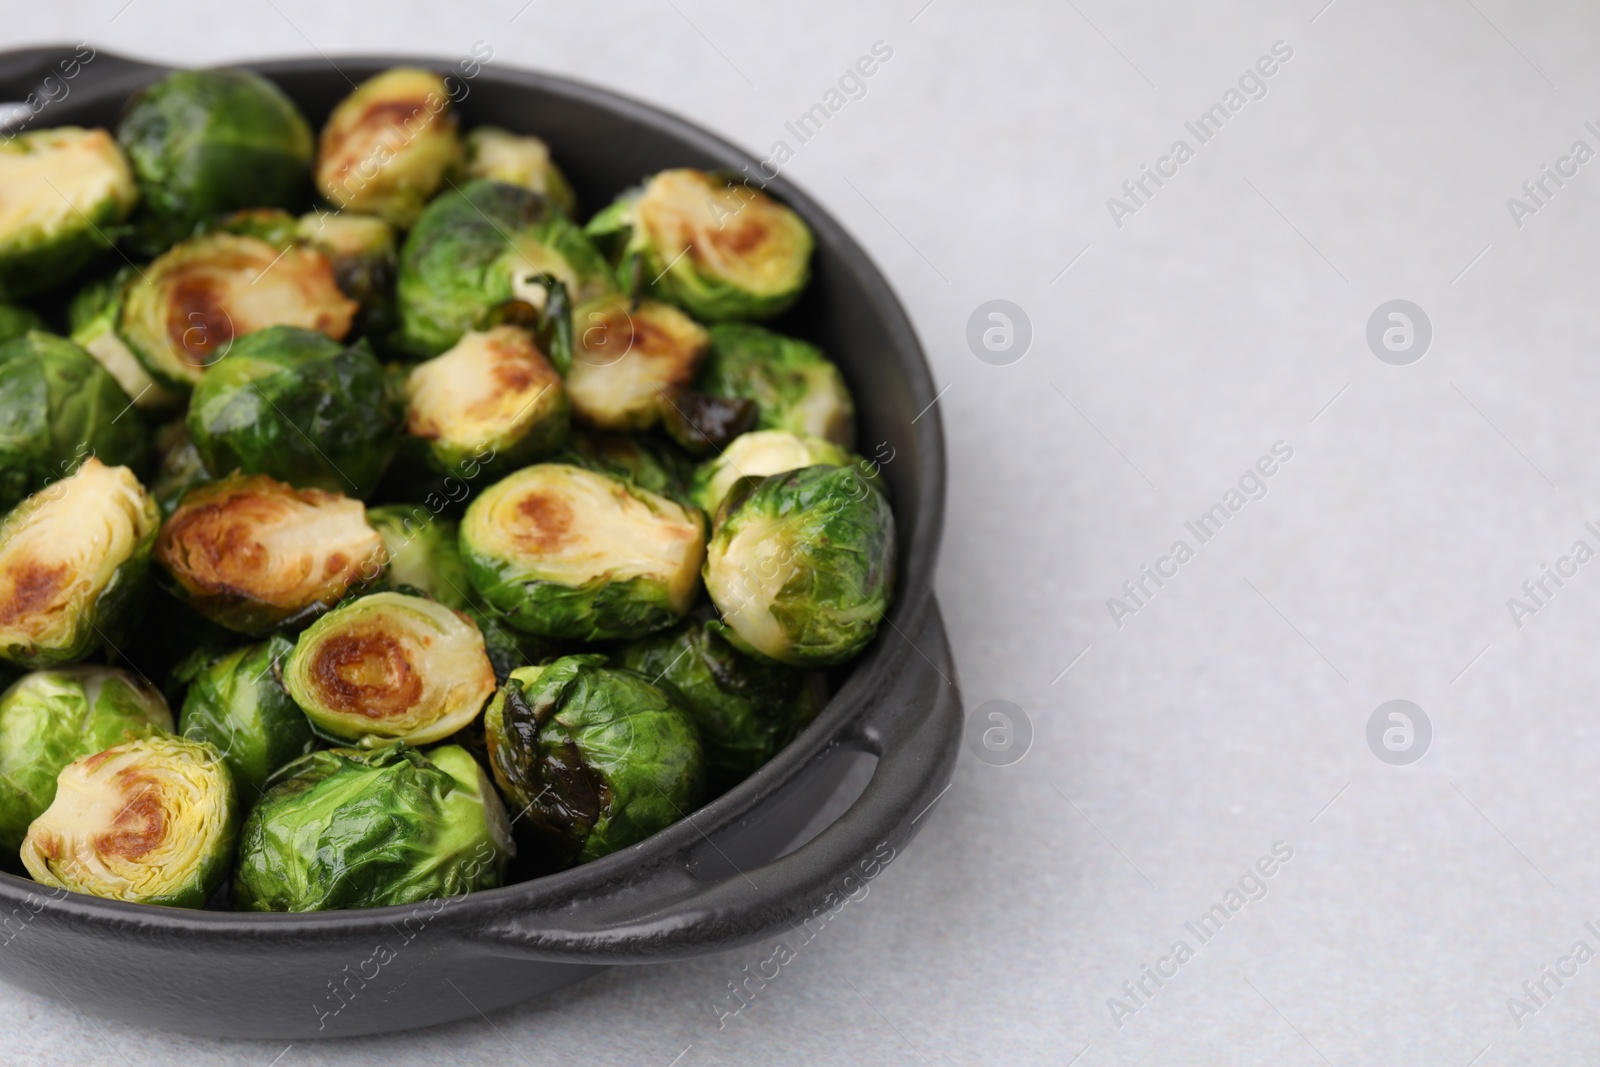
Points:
x=376, y=531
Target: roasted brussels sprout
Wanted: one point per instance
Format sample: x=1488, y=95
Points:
x=343, y=828
x=73, y=561
x=626, y=358
x=701, y=423
x=793, y=384
x=364, y=255
x=205, y=142
x=295, y=405
x=150, y=821
x=518, y=160
x=50, y=718
x=93, y=316
x=189, y=308
x=388, y=146
x=254, y=554
x=566, y=552
x=57, y=407
x=493, y=394
x=64, y=188
x=714, y=246
x=237, y=703
x=756, y=455
x=424, y=552
x=390, y=666
x=179, y=467
x=475, y=249
x=639, y=461
x=803, y=568
x=16, y=321
x=592, y=759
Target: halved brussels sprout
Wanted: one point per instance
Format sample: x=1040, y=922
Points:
x=149, y=821
x=179, y=466
x=518, y=159
x=493, y=393
x=16, y=321
x=626, y=358
x=479, y=247
x=424, y=552
x=756, y=455
x=803, y=568
x=64, y=188
x=237, y=703
x=794, y=385
x=188, y=309
x=344, y=828
x=295, y=405
x=390, y=667
x=365, y=256
x=712, y=245
x=567, y=552
x=746, y=708
x=57, y=407
x=640, y=461
x=254, y=554
x=593, y=759
x=93, y=316
x=73, y=561
x=50, y=718
x=388, y=146
x=205, y=142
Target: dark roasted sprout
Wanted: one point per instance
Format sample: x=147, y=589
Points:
x=746, y=707
x=344, y=828
x=458, y=504
x=593, y=757
x=237, y=703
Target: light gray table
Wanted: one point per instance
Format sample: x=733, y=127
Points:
x=1226, y=313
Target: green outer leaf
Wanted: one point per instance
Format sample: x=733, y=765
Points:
x=205, y=142
x=424, y=552
x=343, y=828
x=50, y=718
x=58, y=406
x=237, y=703
x=16, y=321
x=300, y=407
x=458, y=263
x=597, y=758
x=778, y=373
x=746, y=707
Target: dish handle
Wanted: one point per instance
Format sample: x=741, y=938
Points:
x=31, y=79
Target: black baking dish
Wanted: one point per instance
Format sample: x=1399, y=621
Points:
x=713, y=881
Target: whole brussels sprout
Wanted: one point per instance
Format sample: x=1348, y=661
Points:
x=642, y=462
x=254, y=554
x=566, y=552
x=150, y=821
x=594, y=759
x=494, y=394
x=179, y=466
x=518, y=159
x=237, y=703
x=50, y=718
x=344, y=828
x=802, y=569
x=189, y=308
x=94, y=313
x=714, y=246
x=16, y=321
x=206, y=142
x=793, y=384
x=65, y=187
x=756, y=455
x=295, y=405
x=58, y=407
x=479, y=247
x=389, y=145
x=625, y=358
x=73, y=563
x=390, y=667
x=746, y=708
x=424, y=552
